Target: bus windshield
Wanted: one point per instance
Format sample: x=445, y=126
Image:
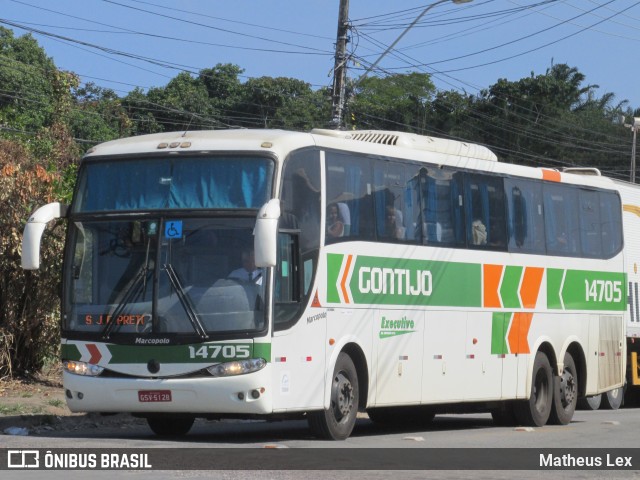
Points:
x=156, y=263
x=164, y=275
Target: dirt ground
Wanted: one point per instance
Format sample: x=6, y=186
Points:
x=36, y=405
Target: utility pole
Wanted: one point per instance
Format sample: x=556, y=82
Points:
x=340, y=67
x=635, y=126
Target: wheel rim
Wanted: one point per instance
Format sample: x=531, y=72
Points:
x=568, y=388
x=341, y=396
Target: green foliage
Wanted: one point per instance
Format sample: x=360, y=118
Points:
x=29, y=328
x=98, y=115
x=26, y=90
x=395, y=102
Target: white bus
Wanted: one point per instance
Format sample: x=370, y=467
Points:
x=271, y=274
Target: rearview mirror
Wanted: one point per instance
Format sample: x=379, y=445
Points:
x=265, y=234
x=33, y=231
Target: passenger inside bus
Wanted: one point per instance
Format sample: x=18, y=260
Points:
x=394, y=225
x=479, y=232
x=335, y=222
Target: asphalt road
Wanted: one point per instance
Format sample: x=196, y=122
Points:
x=594, y=433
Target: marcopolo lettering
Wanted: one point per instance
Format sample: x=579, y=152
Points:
x=395, y=281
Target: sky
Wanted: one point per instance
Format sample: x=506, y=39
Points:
x=124, y=44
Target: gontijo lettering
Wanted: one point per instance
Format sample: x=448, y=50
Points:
x=389, y=281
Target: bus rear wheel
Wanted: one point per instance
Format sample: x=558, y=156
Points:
x=337, y=422
x=170, y=426
x=590, y=403
x=565, y=394
x=612, y=400
x=535, y=411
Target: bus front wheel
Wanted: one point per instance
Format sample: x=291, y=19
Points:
x=337, y=422
x=535, y=411
x=170, y=426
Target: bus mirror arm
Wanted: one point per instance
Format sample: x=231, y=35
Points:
x=33, y=231
x=265, y=234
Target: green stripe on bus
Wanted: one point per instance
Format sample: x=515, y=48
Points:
x=586, y=290
x=554, y=282
x=393, y=281
x=510, y=286
x=194, y=353
x=334, y=263
x=70, y=352
x=499, y=326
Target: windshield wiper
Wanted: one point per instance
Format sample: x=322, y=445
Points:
x=185, y=301
x=131, y=292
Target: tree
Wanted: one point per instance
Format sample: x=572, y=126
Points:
x=98, y=114
x=279, y=103
x=396, y=102
x=26, y=90
x=37, y=160
x=551, y=119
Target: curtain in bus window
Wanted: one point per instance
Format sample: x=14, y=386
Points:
x=433, y=205
x=218, y=184
x=456, y=210
x=175, y=183
x=409, y=212
x=353, y=183
x=525, y=222
x=123, y=185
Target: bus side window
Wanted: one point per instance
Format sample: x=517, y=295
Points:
x=287, y=284
x=299, y=235
x=525, y=216
x=590, y=223
x=485, y=211
x=611, y=226
x=561, y=219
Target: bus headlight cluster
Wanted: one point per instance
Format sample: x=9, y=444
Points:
x=239, y=367
x=82, y=368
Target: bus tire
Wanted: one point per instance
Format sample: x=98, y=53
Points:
x=337, y=422
x=590, y=403
x=565, y=393
x=170, y=426
x=612, y=400
x=535, y=411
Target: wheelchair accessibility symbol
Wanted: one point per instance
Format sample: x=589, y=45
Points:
x=173, y=229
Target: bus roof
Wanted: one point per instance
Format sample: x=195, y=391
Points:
x=373, y=142
x=242, y=139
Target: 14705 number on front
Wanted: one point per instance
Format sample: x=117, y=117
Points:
x=212, y=352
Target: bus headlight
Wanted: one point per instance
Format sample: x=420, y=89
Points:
x=239, y=367
x=82, y=368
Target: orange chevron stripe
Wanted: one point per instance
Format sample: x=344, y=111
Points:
x=530, y=288
x=343, y=281
x=518, y=333
x=492, y=275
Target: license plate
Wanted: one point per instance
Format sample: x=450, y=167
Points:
x=154, y=395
